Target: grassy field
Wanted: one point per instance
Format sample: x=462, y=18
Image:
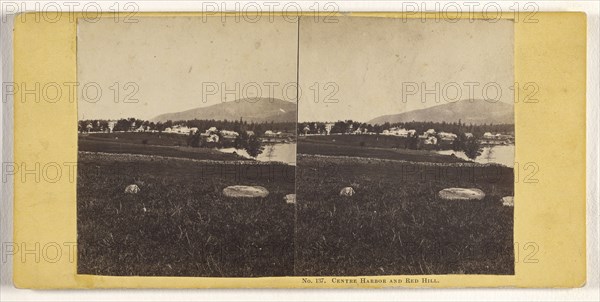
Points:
x=348, y=145
x=395, y=224
x=163, y=146
x=180, y=224
x=360, y=140
x=150, y=138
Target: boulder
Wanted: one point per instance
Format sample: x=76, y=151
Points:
x=245, y=191
x=461, y=194
x=347, y=191
x=132, y=189
x=508, y=201
x=290, y=198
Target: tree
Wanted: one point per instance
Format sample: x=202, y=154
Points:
x=254, y=147
x=472, y=148
x=241, y=141
x=122, y=125
x=459, y=142
x=413, y=141
x=194, y=139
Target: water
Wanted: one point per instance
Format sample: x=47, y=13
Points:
x=503, y=154
x=285, y=152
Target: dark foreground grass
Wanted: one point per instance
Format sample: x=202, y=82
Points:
x=395, y=224
x=180, y=224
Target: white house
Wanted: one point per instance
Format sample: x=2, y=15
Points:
x=328, y=128
x=210, y=137
x=447, y=136
x=431, y=140
x=181, y=129
x=111, y=125
x=229, y=134
x=399, y=132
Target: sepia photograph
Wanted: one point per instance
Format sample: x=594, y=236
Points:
x=186, y=155
x=405, y=164
x=295, y=147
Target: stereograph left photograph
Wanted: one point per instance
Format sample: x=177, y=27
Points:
x=186, y=147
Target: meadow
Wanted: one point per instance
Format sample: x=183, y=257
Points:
x=170, y=145
x=180, y=224
x=369, y=146
x=395, y=224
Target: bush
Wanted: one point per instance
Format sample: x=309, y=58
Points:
x=254, y=146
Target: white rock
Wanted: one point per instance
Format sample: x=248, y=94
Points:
x=347, y=191
x=461, y=194
x=245, y=191
x=508, y=201
x=132, y=189
x=290, y=198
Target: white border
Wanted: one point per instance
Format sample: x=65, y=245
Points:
x=591, y=292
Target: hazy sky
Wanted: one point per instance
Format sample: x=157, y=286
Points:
x=368, y=65
x=169, y=58
x=369, y=59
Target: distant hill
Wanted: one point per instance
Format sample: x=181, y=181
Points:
x=468, y=111
x=251, y=110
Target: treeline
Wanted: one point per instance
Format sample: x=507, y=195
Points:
x=132, y=124
x=349, y=126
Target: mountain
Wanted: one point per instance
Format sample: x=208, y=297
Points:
x=468, y=111
x=251, y=110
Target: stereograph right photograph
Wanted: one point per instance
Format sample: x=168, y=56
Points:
x=406, y=143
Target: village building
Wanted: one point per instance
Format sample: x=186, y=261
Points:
x=401, y=132
x=428, y=139
x=226, y=134
x=447, y=136
x=111, y=126
x=328, y=128
x=209, y=137
x=446, y=139
x=496, y=139
x=270, y=133
x=306, y=130
x=273, y=137
x=360, y=130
